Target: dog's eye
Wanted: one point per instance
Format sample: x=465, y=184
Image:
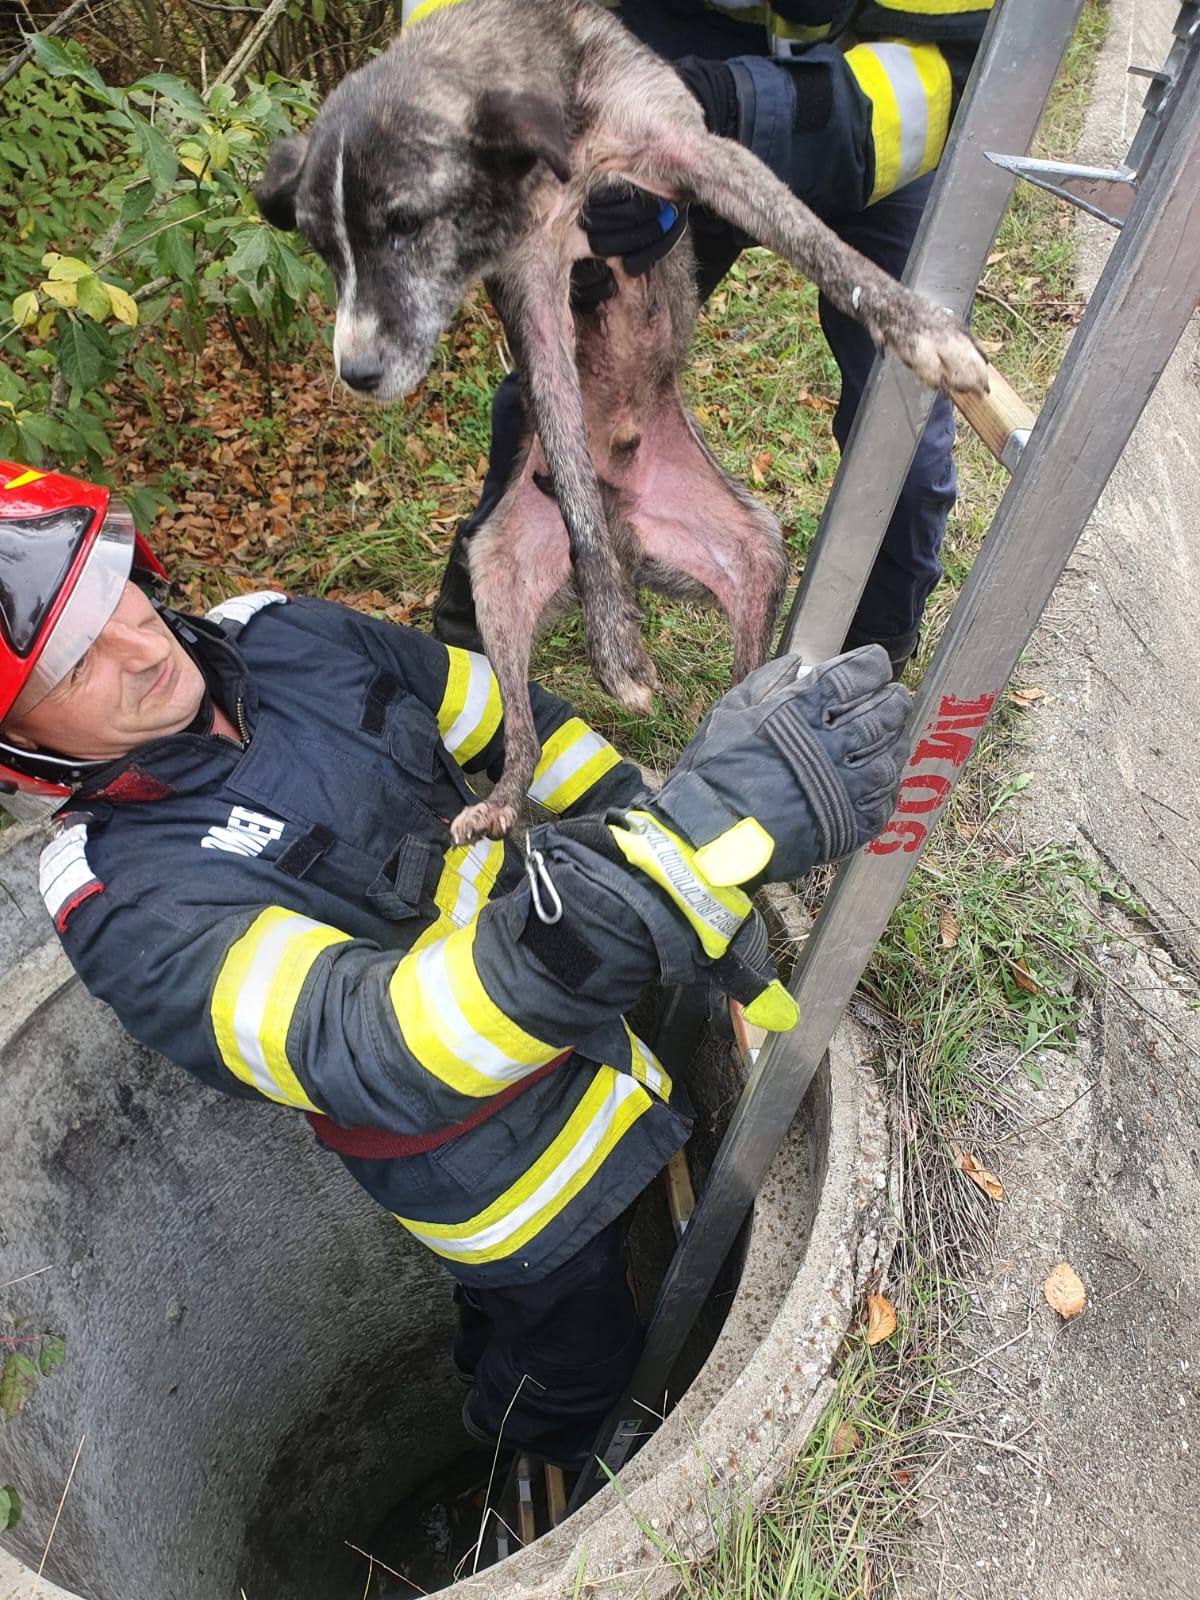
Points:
x=402, y=227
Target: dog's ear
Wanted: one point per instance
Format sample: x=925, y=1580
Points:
x=275, y=192
x=523, y=128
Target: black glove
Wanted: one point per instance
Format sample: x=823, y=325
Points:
x=810, y=756
x=620, y=220
x=795, y=766
x=713, y=85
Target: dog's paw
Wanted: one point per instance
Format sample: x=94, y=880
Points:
x=945, y=357
x=483, y=821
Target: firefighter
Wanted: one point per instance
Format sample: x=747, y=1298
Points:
x=251, y=864
x=849, y=103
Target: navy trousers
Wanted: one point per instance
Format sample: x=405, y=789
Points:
x=546, y=1361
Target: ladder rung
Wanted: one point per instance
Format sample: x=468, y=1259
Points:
x=1000, y=418
x=681, y=1197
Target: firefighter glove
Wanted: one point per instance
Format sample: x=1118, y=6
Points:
x=794, y=766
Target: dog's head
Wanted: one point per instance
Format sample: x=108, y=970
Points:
x=409, y=199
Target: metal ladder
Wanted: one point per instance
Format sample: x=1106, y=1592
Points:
x=1059, y=461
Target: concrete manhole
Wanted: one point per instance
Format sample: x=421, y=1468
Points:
x=258, y=1359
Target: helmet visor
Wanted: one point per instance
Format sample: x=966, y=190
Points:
x=90, y=604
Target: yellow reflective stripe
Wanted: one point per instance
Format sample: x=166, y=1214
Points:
x=611, y=1105
x=255, y=996
x=573, y=759
x=934, y=8
x=423, y=8
x=885, y=116
x=714, y=913
x=934, y=73
x=909, y=89
x=469, y=874
x=795, y=32
x=24, y=478
x=453, y=1027
x=646, y=1067
x=470, y=711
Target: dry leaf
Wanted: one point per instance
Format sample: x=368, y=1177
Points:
x=978, y=1174
x=1026, y=697
x=949, y=930
x=902, y=1477
x=760, y=466
x=1064, y=1291
x=881, y=1319
x=845, y=1439
x=1023, y=978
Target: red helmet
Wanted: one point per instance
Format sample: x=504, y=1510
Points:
x=66, y=550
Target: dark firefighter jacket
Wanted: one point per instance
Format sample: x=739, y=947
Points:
x=289, y=921
x=866, y=87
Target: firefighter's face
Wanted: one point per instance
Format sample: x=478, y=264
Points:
x=135, y=683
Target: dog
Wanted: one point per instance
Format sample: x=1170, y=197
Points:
x=466, y=151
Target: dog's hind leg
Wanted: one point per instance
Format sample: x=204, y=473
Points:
x=520, y=564
x=726, y=178
x=533, y=301
x=691, y=518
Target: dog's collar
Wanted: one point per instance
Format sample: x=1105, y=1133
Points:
x=424, y=8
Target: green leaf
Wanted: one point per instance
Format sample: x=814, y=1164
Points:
x=220, y=98
x=18, y=1381
x=10, y=1507
x=85, y=355
x=250, y=255
x=64, y=269
x=25, y=309
x=67, y=60
x=92, y=298
x=161, y=166
x=137, y=201
x=181, y=95
x=218, y=150
x=53, y=1353
x=176, y=254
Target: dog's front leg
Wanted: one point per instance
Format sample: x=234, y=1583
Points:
x=534, y=296
x=726, y=178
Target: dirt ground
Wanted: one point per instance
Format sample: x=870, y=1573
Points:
x=1074, y=1471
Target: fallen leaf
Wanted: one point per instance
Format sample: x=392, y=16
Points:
x=902, y=1477
x=978, y=1174
x=990, y=346
x=845, y=1438
x=1023, y=979
x=760, y=466
x=948, y=928
x=881, y=1319
x=1064, y=1291
x=1026, y=697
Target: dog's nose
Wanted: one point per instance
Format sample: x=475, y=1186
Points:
x=363, y=372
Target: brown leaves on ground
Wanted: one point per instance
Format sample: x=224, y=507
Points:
x=977, y=1172
x=1064, y=1291
x=881, y=1319
x=948, y=930
x=844, y=1439
x=1023, y=978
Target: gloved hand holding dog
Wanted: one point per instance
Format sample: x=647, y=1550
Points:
x=793, y=767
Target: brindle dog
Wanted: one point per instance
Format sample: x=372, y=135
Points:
x=467, y=151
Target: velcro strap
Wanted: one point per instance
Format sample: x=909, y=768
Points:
x=375, y=1144
x=691, y=804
